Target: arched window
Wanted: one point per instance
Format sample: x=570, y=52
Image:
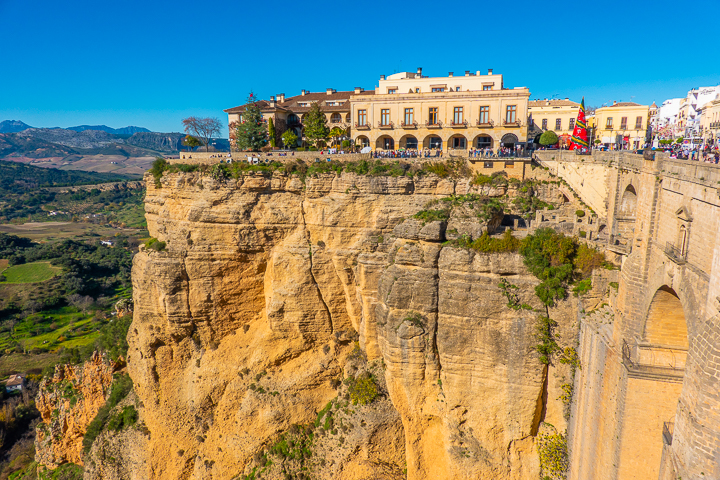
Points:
x=335, y=118
x=293, y=119
x=347, y=118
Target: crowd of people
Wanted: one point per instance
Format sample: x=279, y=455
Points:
x=704, y=154
x=407, y=153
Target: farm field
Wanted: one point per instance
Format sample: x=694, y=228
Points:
x=52, y=231
x=91, y=163
x=30, y=272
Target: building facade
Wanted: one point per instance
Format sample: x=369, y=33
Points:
x=710, y=122
x=622, y=125
x=287, y=113
x=556, y=115
x=412, y=111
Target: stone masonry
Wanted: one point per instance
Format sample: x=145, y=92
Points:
x=647, y=398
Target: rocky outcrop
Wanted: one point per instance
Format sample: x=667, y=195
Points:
x=68, y=402
x=120, y=454
x=245, y=326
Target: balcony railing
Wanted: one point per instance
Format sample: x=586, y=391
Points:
x=675, y=254
x=385, y=126
x=512, y=123
x=462, y=124
x=608, y=127
x=362, y=126
x=437, y=124
x=409, y=125
x=487, y=124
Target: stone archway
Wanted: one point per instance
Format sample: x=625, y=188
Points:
x=432, y=141
x=408, y=141
x=509, y=140
x=385, y=142
x=362, y=140
x=483, y=141
x=655, y=364
x=628, y=202
x=457, y=141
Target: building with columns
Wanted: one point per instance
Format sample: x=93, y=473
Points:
x=414, y=111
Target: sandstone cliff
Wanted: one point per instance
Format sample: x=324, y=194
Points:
x=67, y=403
x=244, y=328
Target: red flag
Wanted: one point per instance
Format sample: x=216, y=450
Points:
x=580, y=137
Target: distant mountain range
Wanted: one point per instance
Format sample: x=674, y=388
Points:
x=117, y=131
x=15, y=126
x=18, y=139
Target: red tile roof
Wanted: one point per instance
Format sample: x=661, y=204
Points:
x=291, y=104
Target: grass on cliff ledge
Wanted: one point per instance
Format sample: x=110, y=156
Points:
x=454, y=168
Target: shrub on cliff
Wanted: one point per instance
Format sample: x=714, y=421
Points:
x=118, y=391
x=553, y=453
x=159, y=166
x=362, y=389
x=155, y=244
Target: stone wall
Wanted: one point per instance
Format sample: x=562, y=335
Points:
x=638, y=380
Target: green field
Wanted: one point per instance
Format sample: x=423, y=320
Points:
x=64, y=327
x=30, y=272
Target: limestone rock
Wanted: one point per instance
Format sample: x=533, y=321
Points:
x=67, y=403
x=244, y=324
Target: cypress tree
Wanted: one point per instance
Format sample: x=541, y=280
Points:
x=252, y=132
x=271, y=132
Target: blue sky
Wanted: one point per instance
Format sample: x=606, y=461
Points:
x=153, y=63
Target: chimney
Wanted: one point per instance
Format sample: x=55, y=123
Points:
x=272, y=100
x=329, y=91
x=489, y=71
x=281, y=97
x=477, y=73
x=614, y=102
x=467, y=73
x=567, y=98
x=382, y=77
x=450, y=74
x=303, y=92
x=419, y=72
x=358, y=90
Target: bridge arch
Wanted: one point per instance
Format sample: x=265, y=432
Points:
x=655, y=362
x=666, y=324
x=628, y=202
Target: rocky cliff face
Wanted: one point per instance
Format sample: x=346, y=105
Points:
x=68, y=402
x=245, y=326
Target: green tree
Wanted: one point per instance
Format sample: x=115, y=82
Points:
x=549, y=138
x=191, y=142
x=252, y=132
x=315, y=123
x=289, y=139
x=336, y=132
x=271, y=132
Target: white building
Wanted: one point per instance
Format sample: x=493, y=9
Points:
x=696, y=98
x=667, y=117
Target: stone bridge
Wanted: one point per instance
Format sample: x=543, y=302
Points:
x=647, y=398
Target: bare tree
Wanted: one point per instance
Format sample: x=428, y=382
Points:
x=202, y=128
